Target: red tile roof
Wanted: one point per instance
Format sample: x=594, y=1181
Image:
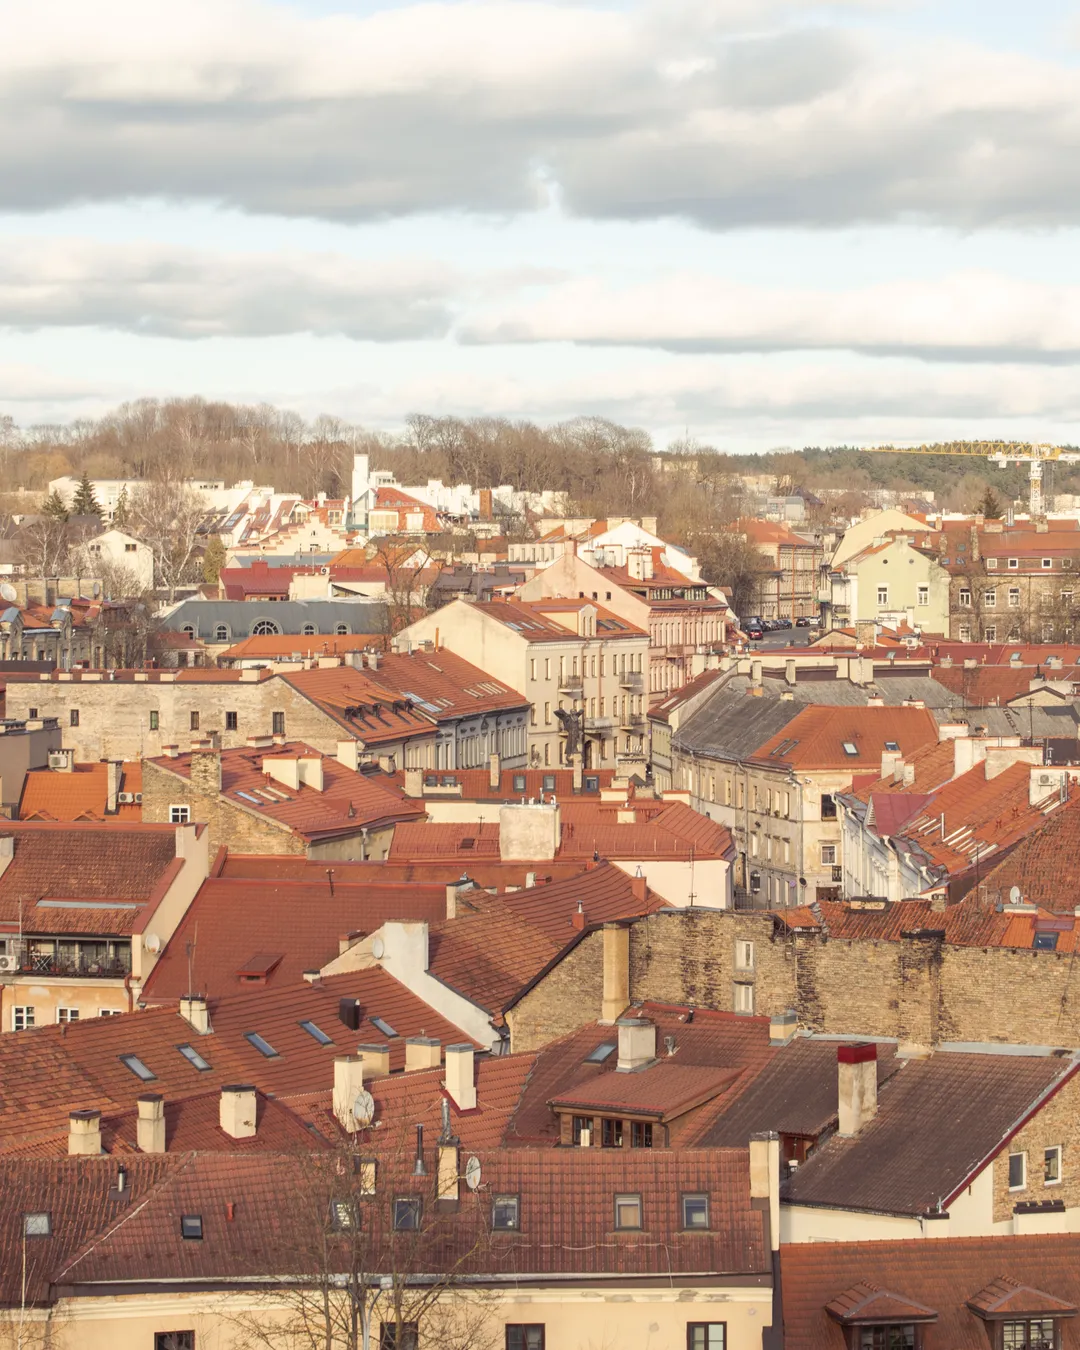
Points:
x=289, y=647
x=1045, y=864
x=299, y=921
x=945, y=1275
x=348, y=801
x=490, y=873
x=816, y=736
x=985, y=686
x=82, y=794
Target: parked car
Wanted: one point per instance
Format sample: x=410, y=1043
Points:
x=754, y=633
x=808, y=621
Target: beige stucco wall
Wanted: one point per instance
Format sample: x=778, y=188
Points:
x=573, y=1318
x=903, y=570
x=863, y=533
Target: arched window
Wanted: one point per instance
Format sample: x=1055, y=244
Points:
x=342, y=629
x=308, y=630
x=189, y=631
x=265, y=628
x=221, y=633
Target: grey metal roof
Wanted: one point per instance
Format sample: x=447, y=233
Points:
x=290, y=616
x=732, y=724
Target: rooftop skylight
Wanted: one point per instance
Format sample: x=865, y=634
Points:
x=263, y=1046
x=137, y=1067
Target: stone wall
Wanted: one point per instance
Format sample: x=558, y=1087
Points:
x=568, y=997
x=228, y=823
x=1056, y=1124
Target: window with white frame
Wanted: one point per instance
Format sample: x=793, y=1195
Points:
x=1047, y=564
x=22, y=1017
x=744, y=955
x=179, y=815
x=1014, y=597
x=990, y=633
x=991, y=564
x=883, y=595
x=828, y=855
x=965, y=632
x=964, y=598
x=67, y=1014
x=990, y=599
x=923, y=596
x=744, y=999
x=1017, y=1171
x=1052, y=1166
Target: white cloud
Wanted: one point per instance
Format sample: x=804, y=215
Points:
x=167, y=291
x=973, y=316
x=727, y=114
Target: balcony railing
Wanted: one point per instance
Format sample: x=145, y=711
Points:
x=66, y=967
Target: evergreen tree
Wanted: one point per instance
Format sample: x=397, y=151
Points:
x=213, y=560
x=85, y=503
x=122, y=512
x=54, y=507
x=989, y=506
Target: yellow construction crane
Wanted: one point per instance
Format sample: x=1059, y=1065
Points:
x=1000, y=452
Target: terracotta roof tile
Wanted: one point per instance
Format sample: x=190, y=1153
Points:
x=81, y=794
x=816, y=736
x=944, y=1275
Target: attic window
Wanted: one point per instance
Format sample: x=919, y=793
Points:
x=1045, y=942
x=602, y=1052
x=470, y=842
x=194, y=1058
x=519, y=782
x=850, y=748
x=37, y=1225
x=264, y=1047
x=137, y=1067
x=889, y=1336
x=384, y=1026
x=627, y=1211
x=506, y=1213
x=695, y=1211
x=191, y=1227
x=317, y=1033
x=592, y=783
x=549, y=782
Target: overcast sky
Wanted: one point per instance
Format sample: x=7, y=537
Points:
x=762, y=222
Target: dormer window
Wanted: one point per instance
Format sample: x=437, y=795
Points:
x=1032, y=1333
x=627, y=1211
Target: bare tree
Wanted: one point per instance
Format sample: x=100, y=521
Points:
x=167, y=516
x=403, y=561
x=380, y=1246
x=46, y=544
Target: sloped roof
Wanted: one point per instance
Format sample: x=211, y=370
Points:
x=903, y=1161
x=301, y=922
x=944, y=1275
x=815, y=737
x=82, y=794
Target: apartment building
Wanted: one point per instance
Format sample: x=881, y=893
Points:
x=683, y=618
x=580, y=666
x=787, y=585
x=895, y=580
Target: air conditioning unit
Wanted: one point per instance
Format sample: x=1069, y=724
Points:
x=125, y=798
x=58, y=759
x=1045, y=779
x=9, y=964
x=138, y=798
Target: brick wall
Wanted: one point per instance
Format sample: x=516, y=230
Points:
x=1056, y=1124
x=228, y=823
x=565, y=999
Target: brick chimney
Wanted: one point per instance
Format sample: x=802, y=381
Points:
x=236, y=1110
x=857, y=1074
x=150, y=1129
x=206, y=771
x=460, y=1081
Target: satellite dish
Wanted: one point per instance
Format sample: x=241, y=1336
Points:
x=7, y=590
x=152, y=942
x=1014, y=896
x=363, y=1108
x=472, y=1173
x=378, y=947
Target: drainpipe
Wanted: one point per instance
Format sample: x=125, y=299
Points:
x=128, y=991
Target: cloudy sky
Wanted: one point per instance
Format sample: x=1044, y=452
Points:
x=761, y=222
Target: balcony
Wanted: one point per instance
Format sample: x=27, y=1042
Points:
x=573, y=685
x=632, y=722
x=104, y=961
x=605, y=723
x=633, y=680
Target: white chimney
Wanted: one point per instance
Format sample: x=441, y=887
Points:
x=7, y=852
x=857, y=1073
x=236, y=1112
x=194, y=1011
x=348, y=1082
x=376, y=1059
x=84, y=1134
x=348, y=755
x=460, y=1082
x=637, y=1044
x=616, y=972
x=150, y=1129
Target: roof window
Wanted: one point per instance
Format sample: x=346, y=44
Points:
x=627, y=1211
x=193, y=1057
x=602, y=1052
x=138, y=1068
x=893, y=747
x=263, y=1046
x=850, y=748
x=695, y=1211
x=1045, y=942
x=506, y=1213
x=383, y=1025
x=317, y=1033
x=191, y=1227
x=38, y=1224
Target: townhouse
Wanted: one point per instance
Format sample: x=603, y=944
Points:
x=580, y=666
x=788, y=581
x=896, y=579
x=683, y=617
x=415, y=710
x=85, y=910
